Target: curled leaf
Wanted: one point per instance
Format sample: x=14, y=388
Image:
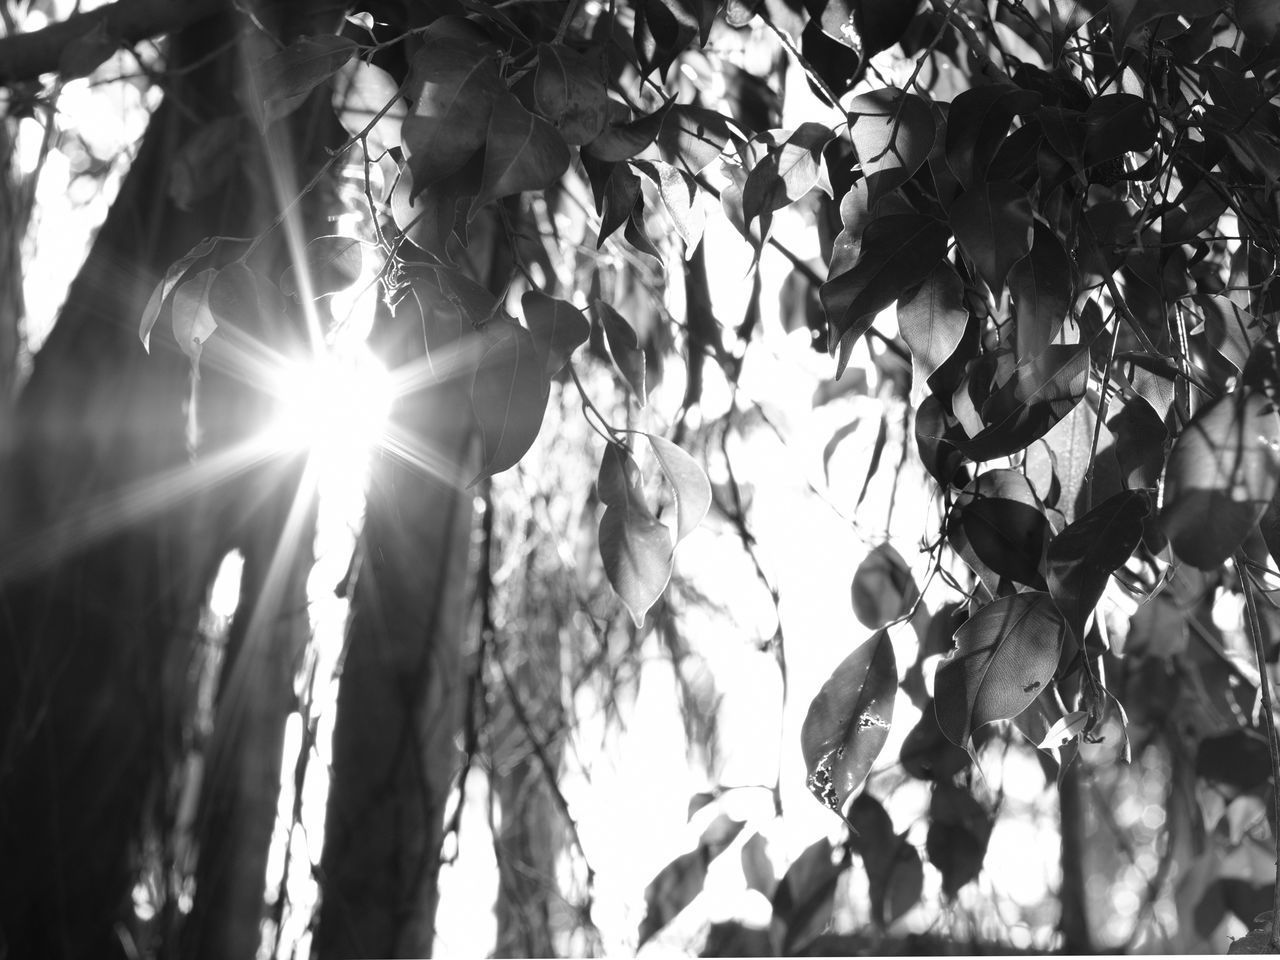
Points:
x=172, y=277
x=624, y=346
x=193, y=320
x=634, y=545
x=688, y=481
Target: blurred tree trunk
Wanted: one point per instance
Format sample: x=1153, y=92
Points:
x=399, y=699
x=1077, y=935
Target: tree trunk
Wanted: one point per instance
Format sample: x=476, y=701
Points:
x=1077, y=934
x=399, y=703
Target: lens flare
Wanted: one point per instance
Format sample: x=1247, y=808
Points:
x=335, y=406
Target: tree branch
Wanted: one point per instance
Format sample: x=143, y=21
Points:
x=25, y=56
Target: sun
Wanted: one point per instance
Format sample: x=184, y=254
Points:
x=334, y=405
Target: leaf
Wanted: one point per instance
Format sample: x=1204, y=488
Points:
x=634, y=545
x=623, y=141
x=1259, y=19
x=1005, y=653
x=977, y=123
x=234, y=297
x=803, y=902
x=688, y=481
x=450, y=118
x=893, y=133
x=569, y=90
x=86, y=52
x=992, y=223
x=558, y=328
x=672, y=890
x=1040, y=284
x=171, y=278
x=933, y=322
x=1081, y=559
x=1038, y=395
x=522, y=152
x=897, y=253
x=1064, y=730
x=959, y=831
x=883, y=588
x=679, y=193
x=1007, y=535
x=508, y=396
x=926, y=752
x=895, y=876
x=286, y=79
x=757, y=867
x=694, y=136
x=360, y=92
x=1221, y=474
x=786, y=173
x=1116, y=124
x=329, y=263
x=848, y=722
x=193, y=320
x=624, y=347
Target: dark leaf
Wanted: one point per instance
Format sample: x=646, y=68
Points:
x=895, y=875
x=86, y=52
x=992, y=223
x=786, y=174
x=933, y=322
x=959, y=830
x=694, y=136
x=361, y=91
x=1081, y=558
x=286, y=79
x=205, y=161
x=1040, y=284
x=193, y=319
x=926, y=752
x=757, y=867
x=171, y=278
x=1008, y=536
x=679, y=193
x=623, y=141
x=672, y=890
x=883, y=588
x=521, y=152
x=1238, y=759
x=892, y=133
x=1005, y=653
x=848, y=722
x=624, y=346
x=508, y=396
x=569, y=90
x=1221, y=474
x=803, y=902
x=897, y=253
x=977, y=123
x=557, y=327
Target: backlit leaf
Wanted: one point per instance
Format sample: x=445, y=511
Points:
x=848, y=722
x=804, y=900
x=933, y=322
x=1005, y=653
x=509, y=396
x=892, y=133
x=287, y=78
x=557, y=327
x=787, y=173
x=1221, y=474
x=695, y=136
x=635, y=546
x=331, y=264
x=171, y=278
x=680, y=195
x=522, y=152
x=688, y=482
x=193, y=320
x=992, y=223
x=361, y=91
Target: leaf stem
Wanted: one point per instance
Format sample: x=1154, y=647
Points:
x=1264, y=687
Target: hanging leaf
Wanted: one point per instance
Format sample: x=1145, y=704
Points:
x=1116, y=124
x=286, y=79
x=634, y=545
x=933, y=322
x=1008, y=536
x=893, y=133
x=624, y=347
x=1005, y=653
x=1040, y=284
x=361, y=92
x=1037, y=395
x=757, y=866
x=671, y=891
x=848, y=722
x=171, y=278
x=569, y=90
x=680, y=195
x=786, y=174
x=234, y=297
x=992, y=223
x=1081, y=558
x=1221, y=474
x=926, y=752
x=898, y=252
x=449, y=119
x=688, y=481
x=895, y=875
x=959, y=831
x=805, y=898
x=193, y=320
x=509, y=397
x=883, y=588
x=622, y=141
x=694, y=136
x=330, y=263
x=522, y=152
x=557, y=327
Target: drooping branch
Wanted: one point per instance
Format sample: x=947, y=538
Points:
x=25, y=56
